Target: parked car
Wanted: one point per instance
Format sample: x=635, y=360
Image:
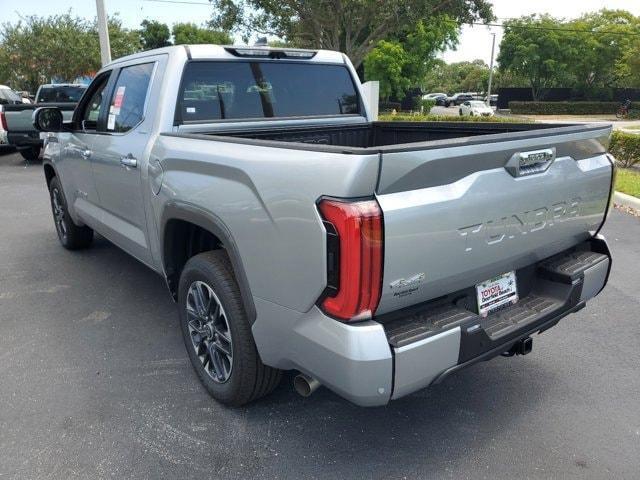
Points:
x=60, y=93
x=376, y=258
x=457, y=99
x=8, y=96
x=433, y=96
x=493, y=100
x=439, y=98
x=18, y=116
x=475, y=108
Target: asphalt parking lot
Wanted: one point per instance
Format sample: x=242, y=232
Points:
x=95, y=383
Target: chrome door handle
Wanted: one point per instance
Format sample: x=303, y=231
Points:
x=129, y=161
x=85, y=153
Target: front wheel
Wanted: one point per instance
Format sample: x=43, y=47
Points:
x=71, y=236
x=217, y=333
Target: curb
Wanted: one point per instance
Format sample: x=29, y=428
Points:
x=625, y=200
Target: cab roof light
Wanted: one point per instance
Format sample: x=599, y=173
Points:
x=270, y=53
x=299, y=54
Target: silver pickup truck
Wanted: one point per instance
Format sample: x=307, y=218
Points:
x=295, y=233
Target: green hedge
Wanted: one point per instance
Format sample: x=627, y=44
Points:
x=448, y=118
x=427, y=105
x=625, y=147
x=567, y=108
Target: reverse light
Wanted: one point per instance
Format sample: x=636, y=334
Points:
x=354, y=258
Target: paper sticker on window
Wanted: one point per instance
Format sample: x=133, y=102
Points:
x=111, y=122
x=191, y=109
x=117, y=100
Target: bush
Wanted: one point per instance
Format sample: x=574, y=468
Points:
x=388, y=106
x=625, y=147
x=566, y=108
x=427, y=105
x=448, y=118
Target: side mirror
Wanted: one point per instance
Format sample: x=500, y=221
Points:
x=47, y=119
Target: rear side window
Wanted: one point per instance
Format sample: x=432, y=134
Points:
x=126, y=107
x=60, y=94
x=236, y=90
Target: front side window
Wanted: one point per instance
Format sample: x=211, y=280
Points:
x=260, y=89
x=126, y=108
x=91, y=111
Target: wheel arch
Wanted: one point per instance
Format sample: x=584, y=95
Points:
x=49, y=172
x=175, y=217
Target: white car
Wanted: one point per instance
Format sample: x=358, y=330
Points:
x=475, y=108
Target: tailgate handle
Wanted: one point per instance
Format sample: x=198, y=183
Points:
x=528, y=163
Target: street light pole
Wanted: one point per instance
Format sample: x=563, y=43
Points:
x=103, y=33
x=493, y=47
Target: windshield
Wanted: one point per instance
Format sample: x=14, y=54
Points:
x=477, y=103
x=10, y=95
x=256, y=89
x=60, y=94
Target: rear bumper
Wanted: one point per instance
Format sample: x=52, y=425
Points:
x=24, y=139
x=372, y=362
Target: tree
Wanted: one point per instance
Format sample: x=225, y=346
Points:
x=402, y=63
x=190, y=33
x=607, y=36
x=458, y=77
x=41, y=48
x=538, y=49
x=59, y=47
x=628, y=66
x=123, y=40
x=385, y=64
x=351, y=26
x=154, y=34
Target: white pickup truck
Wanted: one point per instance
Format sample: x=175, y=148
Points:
x=296, y=233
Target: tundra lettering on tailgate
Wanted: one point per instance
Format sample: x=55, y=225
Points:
x=493, y=232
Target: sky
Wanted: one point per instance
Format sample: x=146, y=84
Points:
x=475, y=41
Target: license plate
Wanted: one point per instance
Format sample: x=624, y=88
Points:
x=496, y=292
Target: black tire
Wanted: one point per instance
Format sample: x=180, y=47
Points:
x=71, y=236
x=31, y=154
x=248, y=378
x=460, y=111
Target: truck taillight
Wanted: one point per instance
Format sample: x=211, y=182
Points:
x=354, y=258
x=3, y=121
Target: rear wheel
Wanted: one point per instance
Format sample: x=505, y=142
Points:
x=71, y=236
x=217, y=333
x=31, y=154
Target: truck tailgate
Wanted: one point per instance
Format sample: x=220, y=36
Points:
x=457, y=213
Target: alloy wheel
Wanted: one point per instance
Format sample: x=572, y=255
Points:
x=209, y=331
x=58, y=213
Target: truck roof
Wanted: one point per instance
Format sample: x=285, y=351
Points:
x=211, y=51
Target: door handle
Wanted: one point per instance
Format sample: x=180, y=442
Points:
x=129, y=161
x=85, y=153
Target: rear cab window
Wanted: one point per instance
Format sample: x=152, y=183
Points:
x=221, y=90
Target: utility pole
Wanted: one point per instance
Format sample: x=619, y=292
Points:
x=493, y=47
x=103, y=33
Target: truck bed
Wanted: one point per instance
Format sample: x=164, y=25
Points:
x=397, y=136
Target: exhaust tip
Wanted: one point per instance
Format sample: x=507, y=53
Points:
x=305, y=385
